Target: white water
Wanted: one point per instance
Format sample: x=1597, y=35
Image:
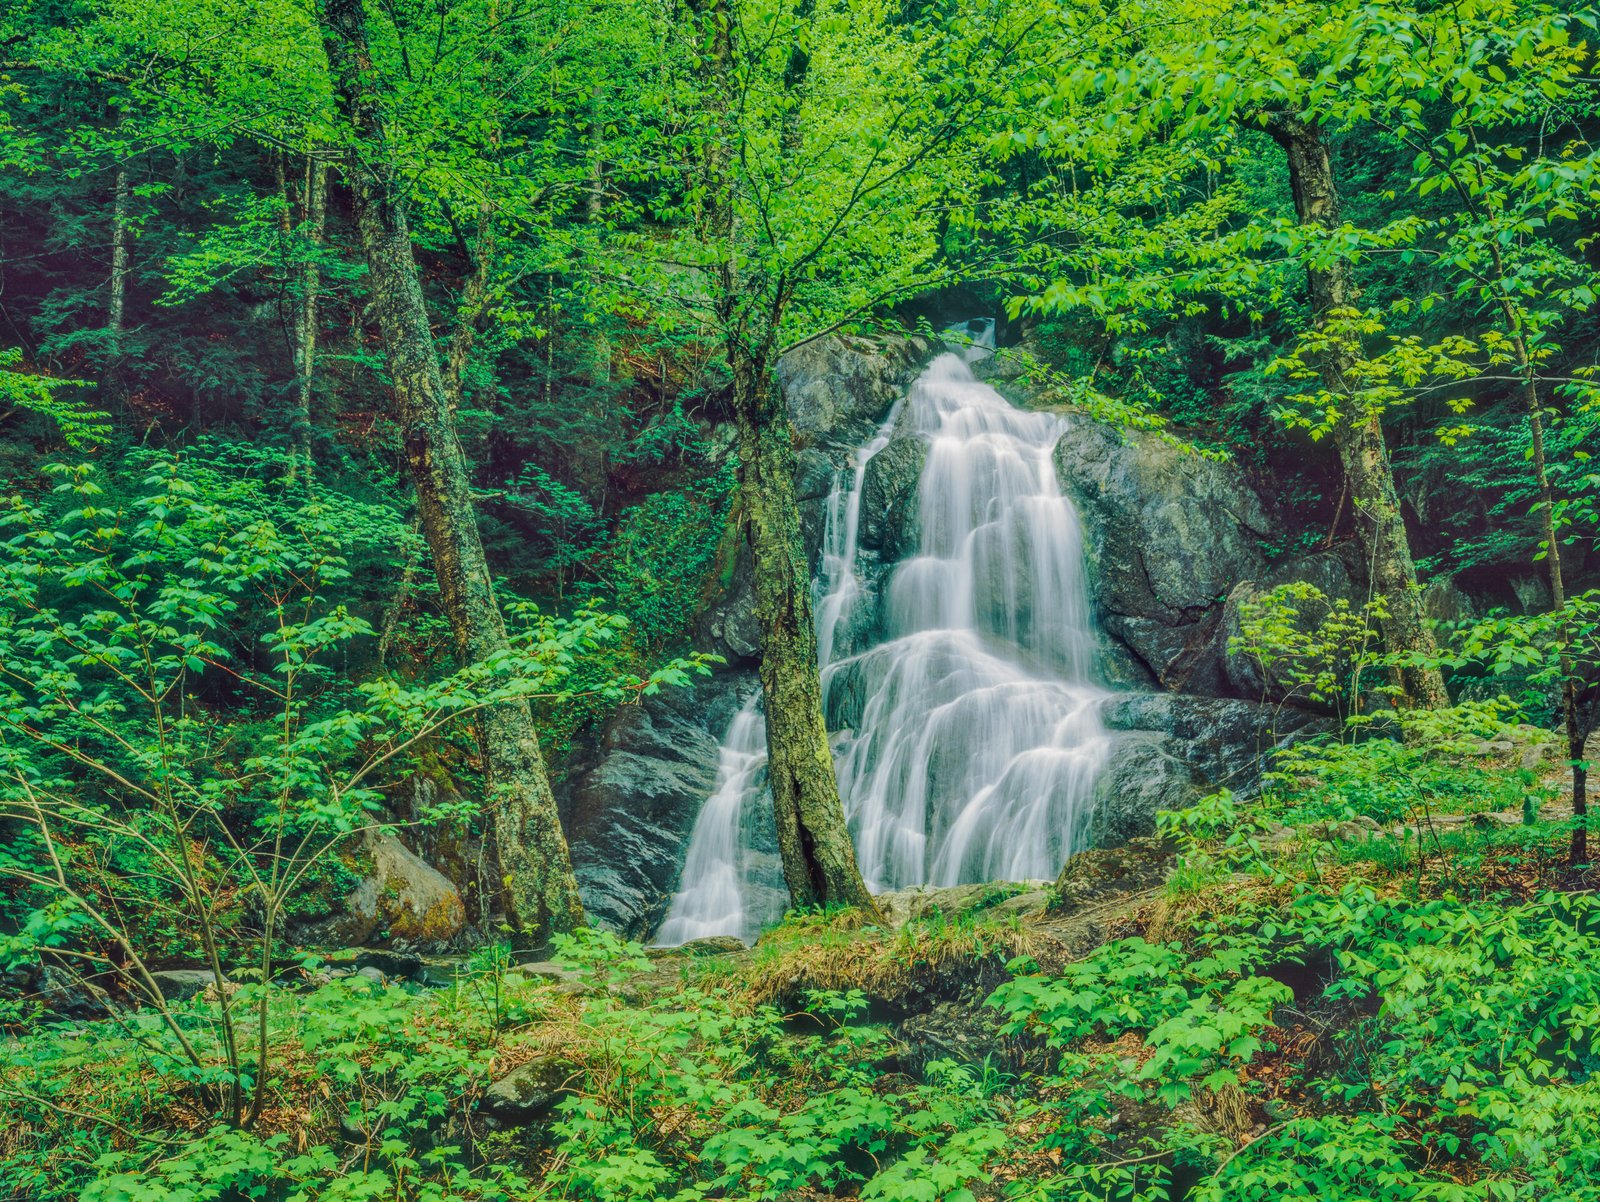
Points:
x=712, y=901
x=977, y=744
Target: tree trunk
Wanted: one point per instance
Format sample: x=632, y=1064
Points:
x=819, y=858
x=541, y=894
x=305, y=325
x=1576, y=729
x=117, y=300
x=1357, y=435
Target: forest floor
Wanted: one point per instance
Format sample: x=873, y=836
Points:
x=1273, y=998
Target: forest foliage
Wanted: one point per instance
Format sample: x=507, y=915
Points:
x=387, y=390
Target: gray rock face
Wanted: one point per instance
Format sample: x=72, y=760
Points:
x=728, y=627
x=1169, y=535
x=1174, y=748
x=629, y=810
x=1330, y=574
x=1146, y=774
x=889, y=493
x=837, y=389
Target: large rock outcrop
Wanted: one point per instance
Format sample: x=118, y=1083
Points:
x=1169, y=535
x=839, y=389
x=629, y=808
x=1175, y=548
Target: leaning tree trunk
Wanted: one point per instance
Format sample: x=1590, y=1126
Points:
x=1358, y=436
x=541, y=894
x=819, y=858
x=1576, y=728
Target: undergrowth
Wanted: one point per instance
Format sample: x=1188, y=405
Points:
x=1318, y=1007
x=1261, y=1035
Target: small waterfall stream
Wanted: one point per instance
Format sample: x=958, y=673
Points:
x=959, y=681
x=713, y=901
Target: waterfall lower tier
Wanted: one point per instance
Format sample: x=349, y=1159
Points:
x=959, y=682
x=713, y=900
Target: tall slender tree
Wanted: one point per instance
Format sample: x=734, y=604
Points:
x=1357, y=430
x=541, y=892
x=1204, y=75
x=1511, y=237
x=824, y=162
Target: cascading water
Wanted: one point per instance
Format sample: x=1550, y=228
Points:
x=715, y=870
x=960, y=684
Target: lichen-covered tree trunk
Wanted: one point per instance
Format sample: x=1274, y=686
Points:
x=1358, y=435
x=117, y=299
x=819, y=857
x=540, y=892
x=305, y=325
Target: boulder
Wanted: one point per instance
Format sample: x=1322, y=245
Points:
x=1169, y=534
x=400, y=899
x=181, y=984
x=1443, y=602
x=1096, y=873
x=549, y=970
x=529, y=1092
x=389, y=962
x=64, y=993
x=630, y=807
x=713, y=945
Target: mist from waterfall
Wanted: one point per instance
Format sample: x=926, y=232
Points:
x=959, y=682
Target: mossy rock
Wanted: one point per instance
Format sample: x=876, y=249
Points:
x=399, y=898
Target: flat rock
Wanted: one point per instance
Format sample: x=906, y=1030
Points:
x=180, y=984
x=529, y=1092
x=1014, y=898
x=549, y=970
x=713, y=945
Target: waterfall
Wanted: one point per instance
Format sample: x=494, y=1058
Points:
x=712, y=901
x=959, y=681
